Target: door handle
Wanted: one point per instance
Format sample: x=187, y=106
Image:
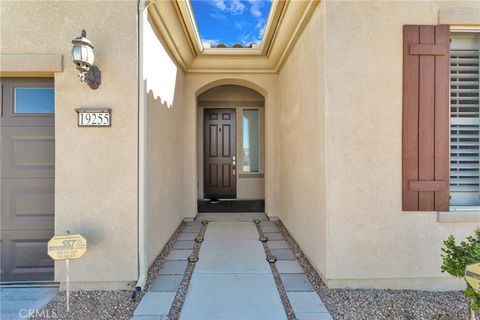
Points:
x=233, y=165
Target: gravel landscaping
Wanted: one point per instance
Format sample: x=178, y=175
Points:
x=177, y=304
x=381, y=304
x=278, y=281
x=91, y=305
x=103, y=305
x=341, y=303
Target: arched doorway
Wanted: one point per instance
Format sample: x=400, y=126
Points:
x=231, y=148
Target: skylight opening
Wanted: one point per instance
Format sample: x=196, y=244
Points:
x=231, y=23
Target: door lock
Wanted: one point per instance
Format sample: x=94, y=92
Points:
x=233, y=165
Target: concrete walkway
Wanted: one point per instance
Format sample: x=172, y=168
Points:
x=19, y=303
x=232, y=279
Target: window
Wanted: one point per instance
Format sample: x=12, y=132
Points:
x=34, y=100
x=465, y=120
x=250, y=161
x=231, y=24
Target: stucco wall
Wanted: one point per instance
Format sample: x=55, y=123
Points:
x=301, y=99
x=165, y=116
x=96, y=168
x=371, y=242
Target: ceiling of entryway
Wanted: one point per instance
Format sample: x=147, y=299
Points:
x=174, y=22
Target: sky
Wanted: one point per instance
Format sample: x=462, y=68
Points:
x=34, y=100
x=231, y=21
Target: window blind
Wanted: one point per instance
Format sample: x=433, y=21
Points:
x=465, y=120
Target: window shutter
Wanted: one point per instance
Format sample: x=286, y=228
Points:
x=425, y=147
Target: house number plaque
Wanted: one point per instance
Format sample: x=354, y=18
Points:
x=94, y=117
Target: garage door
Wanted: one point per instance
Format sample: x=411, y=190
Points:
x=27, y=178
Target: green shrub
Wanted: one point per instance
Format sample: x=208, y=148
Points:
x=457, y=257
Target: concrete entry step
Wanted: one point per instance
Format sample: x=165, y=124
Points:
x=231, y=206
x=231, y=216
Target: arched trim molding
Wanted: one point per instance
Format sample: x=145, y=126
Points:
x=232, y=81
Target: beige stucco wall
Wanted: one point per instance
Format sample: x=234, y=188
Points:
x=96, y=168
x=165, y=116
x=195, y=84
x=301, y=99
x=333, y=119
x=371, y=242
x=249, y=186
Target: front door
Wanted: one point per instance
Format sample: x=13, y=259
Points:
x=219, y=149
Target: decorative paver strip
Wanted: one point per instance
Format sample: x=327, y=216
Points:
x=155, y=304
x=296, y=282
x=269, y=228
x=307, y=302
x=304, y=302
x=166, y=283
x=305, y=284
x=278, y=281
x=179, y=299
x=169, y=276
x=289, y=266
x=278, y=244
x=157, y=265
x=188, y=236
x=273, y=235
x=310, y=272
x=174, y=267
x=283, y=254
x=184, y=245
x=180, y=254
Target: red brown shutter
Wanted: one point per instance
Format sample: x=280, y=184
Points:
x=426, y=118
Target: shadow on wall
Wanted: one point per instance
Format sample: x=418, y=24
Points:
x=165, y=142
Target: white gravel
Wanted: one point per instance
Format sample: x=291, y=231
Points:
x=103, y=305
x=394, y=304
x=91, y=305
x=341, y=303
x=381, y=304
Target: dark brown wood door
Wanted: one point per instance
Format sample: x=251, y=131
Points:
x=219, y=149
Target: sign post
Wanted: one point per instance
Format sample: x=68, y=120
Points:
x=472, y=276
x=67, y=271
x=66, y=247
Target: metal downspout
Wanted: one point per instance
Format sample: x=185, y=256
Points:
x=142, y=156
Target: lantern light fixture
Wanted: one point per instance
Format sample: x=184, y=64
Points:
x=83, y=57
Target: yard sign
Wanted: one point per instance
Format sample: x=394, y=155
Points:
x=472, y=275
x=66, y=247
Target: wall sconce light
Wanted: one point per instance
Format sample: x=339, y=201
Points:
x=83, y=57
